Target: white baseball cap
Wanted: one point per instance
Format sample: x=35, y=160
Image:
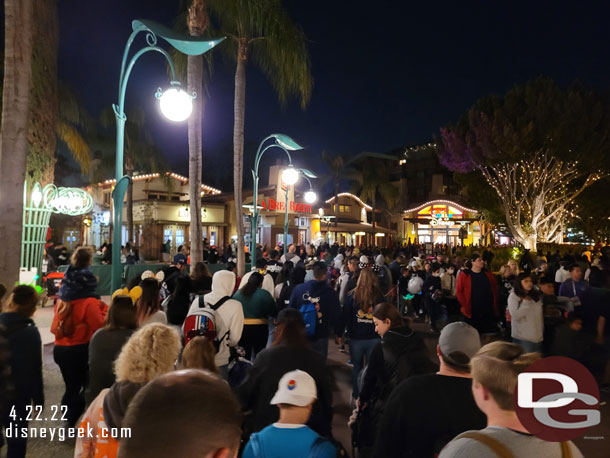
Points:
x=296, y=388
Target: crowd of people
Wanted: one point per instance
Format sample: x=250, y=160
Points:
x=225, y=365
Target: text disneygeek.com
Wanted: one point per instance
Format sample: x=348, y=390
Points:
x=61, y=434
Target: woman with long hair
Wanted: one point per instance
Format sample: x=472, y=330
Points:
x=106, y=344
x=258, y=305
x=399, y=354
x=282, y=278
x=357, y=318
x=150, y=352
x=201, y=279
x=199, y=353
x=527, y=318
x=290, y=351
x=149, y=303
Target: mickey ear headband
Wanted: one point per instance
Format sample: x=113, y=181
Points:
x=159, y=276
x=135, y=293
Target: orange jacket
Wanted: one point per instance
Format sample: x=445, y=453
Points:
x=89, y=314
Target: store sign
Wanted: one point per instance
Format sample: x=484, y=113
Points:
x=185, y=213
x=441, y=219
x=271, y=204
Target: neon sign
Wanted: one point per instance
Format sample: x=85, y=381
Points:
x=441, y=219
x=271, y=204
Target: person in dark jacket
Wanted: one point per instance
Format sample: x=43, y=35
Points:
x=290, y=351
x=357, y=316
x=180, y=301
x=201, y=279
x=400, y=354
x=327, y=304
x=25, y=362
x=432, y=295
x=106, y=344
x=296, y=277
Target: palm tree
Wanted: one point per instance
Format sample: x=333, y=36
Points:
x=336, y=165
x=262, y=32
x=370, y=181
x=18, y=28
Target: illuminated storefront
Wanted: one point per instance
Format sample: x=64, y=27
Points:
x=442, y=222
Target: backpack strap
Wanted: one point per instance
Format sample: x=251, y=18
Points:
x=318, y=448
x=217, y=305
x=566, y=450
x=498, y=447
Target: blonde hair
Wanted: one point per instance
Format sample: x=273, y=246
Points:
x=496, y=366
x=199, y=354
x=149, y=353
x=513, y=266
x=367, y=291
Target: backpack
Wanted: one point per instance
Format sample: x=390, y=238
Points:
x=203, y=322
x=63, y=320
x=500, y=450
x=310, y=313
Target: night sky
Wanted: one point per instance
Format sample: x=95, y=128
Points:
x=387, y=74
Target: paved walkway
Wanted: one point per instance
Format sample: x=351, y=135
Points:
x=597, y=446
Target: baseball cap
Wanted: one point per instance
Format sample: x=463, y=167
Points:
x=458, y=343
x=296, y=388
x=180, y=258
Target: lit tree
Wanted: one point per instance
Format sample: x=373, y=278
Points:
x=539, y=147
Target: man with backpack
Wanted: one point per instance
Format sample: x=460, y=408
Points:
x=290, y=436
x=319, y=304
x=217, y=317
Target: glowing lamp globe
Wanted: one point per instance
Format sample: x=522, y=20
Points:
x=176, y=105
x=310, y=197
x=290, y=176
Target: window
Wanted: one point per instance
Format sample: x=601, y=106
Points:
x=153, y=196
x=107, y=198
x=345, y=208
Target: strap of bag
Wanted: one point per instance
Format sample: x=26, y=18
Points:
x=566, y=450
x=498, y=447
x=217, y=305
x=317, y=448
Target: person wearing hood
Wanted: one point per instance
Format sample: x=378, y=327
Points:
x=24, y=364
x=400, y=354
x=327, y=305
x=229, y=316
x=384, y=274
x=149, y=353
x=76, y=317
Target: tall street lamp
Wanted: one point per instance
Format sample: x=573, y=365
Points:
x=310, y=196
x=175, y=104
x=289, y=176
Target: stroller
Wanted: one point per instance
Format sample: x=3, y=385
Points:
x=53, y=283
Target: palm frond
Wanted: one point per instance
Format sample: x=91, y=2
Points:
x=76, y=144
x=71, y=110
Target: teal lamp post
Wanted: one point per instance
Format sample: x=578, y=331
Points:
x=310, y=198
x=289, y=176
x=175, y=104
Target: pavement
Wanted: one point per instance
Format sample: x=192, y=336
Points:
x=596, y=443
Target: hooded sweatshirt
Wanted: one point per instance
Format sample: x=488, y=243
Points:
x=229, y=316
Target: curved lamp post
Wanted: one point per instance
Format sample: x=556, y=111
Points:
x=289, y=176
x=175, y=104
x=310, y=196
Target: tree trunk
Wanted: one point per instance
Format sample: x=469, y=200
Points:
x=42, y=129
x=197, y=22
x=238, y=151
x=13, y=132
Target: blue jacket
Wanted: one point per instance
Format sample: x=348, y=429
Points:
x=25, y=347
x=329, y=304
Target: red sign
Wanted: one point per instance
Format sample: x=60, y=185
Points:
x=271, y=204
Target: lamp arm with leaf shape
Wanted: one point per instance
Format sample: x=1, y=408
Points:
x=175, y=104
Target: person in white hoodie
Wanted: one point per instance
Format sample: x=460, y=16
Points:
x=229, y=316
x=261, y=268
x=525, y=308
